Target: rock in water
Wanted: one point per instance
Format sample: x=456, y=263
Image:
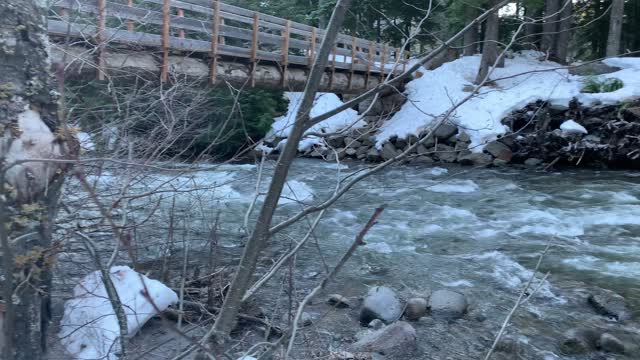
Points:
x=447, y=303
x=338, y=301
x=376, y=324
x=380, y=303
x=608, y=303
x=474, y=159
x=393, y=339
x=416, y=308
x=579, y=341
x=532, y=162
x=610, y=343
x=499, y=150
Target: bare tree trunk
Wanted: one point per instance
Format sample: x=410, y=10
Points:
x=490, y=46
x=322, y=19
x=550, y=27
x=470, y=40
x=30, y=191
x=615, y=28
x=260, y=235
x=564, y=35
x=532, y=30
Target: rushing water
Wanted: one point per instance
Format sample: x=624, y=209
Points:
x=477, y=231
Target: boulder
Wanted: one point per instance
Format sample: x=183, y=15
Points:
x=593, y=68
x=608, y=303
x=422, y=160
x=352, y=143
x=446, y=153
x=380, y=303
x=579, y=341
x=475, y=159
x=395, y=339
x=351, y=152
x=306, y=319
x=421, y=149
x=376, y=109
x=532, y=162
x=415, y=309
x=610, y=343
x=373, y=155
x=464, y=137
x=335, y=141
x=392, y=103
x=499, y=150
x=388, y=151
x=499, y=163
x=376, y=324
x=400, y=143
x=445, y=131
x=447, y=303
x=338, y=301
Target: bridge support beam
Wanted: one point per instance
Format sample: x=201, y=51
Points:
x=79, y=62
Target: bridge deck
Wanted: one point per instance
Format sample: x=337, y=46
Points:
x=215, y=31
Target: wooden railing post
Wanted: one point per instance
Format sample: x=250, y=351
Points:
x=130, y=24
x=181, y=31
x=353, y=61
x=102, y=20
x=396, y=59
x=383, y=62
x=406, y=60
x=254, y=48
x=164, y=69
x=333, y=67
x=285, y=54
x=369, y=63
x=312, y=49
x=215, y=31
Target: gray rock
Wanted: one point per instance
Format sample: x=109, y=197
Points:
x=373, y=155
x=447, y=303
x=475, y=159
x=499, y=163
x=380, y=303
x=499, y=150
x=376, y=324
x=306, y=319
x=388, y=151
x=376, y=109
x=579, y=341
x=464, y=137
x=610, y=343
x=352, y=143
x=335, y=141
x=446, y=153
x=532, y=162
x=421, y=149
x=392, y=102
x=351, y=152
x=338, y=301
x=594, y=68
x=415, y=309
x=422, y=160
x=608, y=303
x=401, y=143
x=445, y=131
x=396, y=338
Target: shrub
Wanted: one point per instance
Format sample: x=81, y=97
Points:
x=594, y=85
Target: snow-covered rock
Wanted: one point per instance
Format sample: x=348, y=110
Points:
x=89, y=328
x=571, y=127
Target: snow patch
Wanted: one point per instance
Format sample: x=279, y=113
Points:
x=571, y=127
x=89, y=328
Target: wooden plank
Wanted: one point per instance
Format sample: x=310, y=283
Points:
x=130, y=23
x=254, y=48
x=406, y=60
x=352, y=61
x=215, y=26
x=285, y=54
x=383, y=62
x=222, y=40
x=101, y=38
x=180, y=30
x=333, y=67
x=164, y=67
x=369, y=63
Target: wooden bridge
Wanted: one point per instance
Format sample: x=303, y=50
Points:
x=204, y=40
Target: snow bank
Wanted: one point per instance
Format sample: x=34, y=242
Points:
x=89, y=328
x=323, y=103
x=572, y=127
x=526, y=80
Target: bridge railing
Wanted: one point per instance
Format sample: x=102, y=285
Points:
x=217, y=30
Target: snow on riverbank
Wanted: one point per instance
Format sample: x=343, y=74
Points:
x=324, y=102
x=89, y=328
x=525, y=80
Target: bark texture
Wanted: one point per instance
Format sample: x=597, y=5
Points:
x=490, y=46
x=564, y=34
x=550, y=27
x=615, y=28
x=29, y=128
x=470, y=39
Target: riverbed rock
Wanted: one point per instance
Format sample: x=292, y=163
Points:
x=422, y=160
x=610, y=343
x=338, y=301
x=445, y=131
x=415, y=309
x=373, y=155
x=579, y=341
x=388, y=151
x=475, y=159
x=392, y=340
x=352, y=143
x=593, y=68
x=335, y=141
x=306, y=319
x=532, y=162
x=447, y=303
x=499, y=151
x=608, y=303
x=376, y=324
x=446, y=153
x=381, y=303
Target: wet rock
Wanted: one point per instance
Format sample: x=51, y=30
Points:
x=352, y=143
x=445, y=131
x=608, y=303
x=401, y=143
x=376, y=324
x=351, y=152
x=376, y=109
x=447, y=303
x=499, y=163
x=464, y=137
x=499, y=150
x=446, y=153
x=475, y=159
x=532, y=162
x=421, y=149
x=422, y=160
x=380, y=303
x=306, y=319
x=594, y=68
x=338, y=301
x=610, y=343
x=415, y=309
x=397, y=338
x=579, y=341
x=373, y=155
x=388, y=151
x=335, y=141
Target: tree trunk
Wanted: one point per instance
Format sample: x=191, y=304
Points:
x=470, y=40
x=322, y=17
x=615, y=28
x=531, y=34
x=490, y=46
x=550, y=27
x=260, y=235
x=564, y=35
x=28, y=201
